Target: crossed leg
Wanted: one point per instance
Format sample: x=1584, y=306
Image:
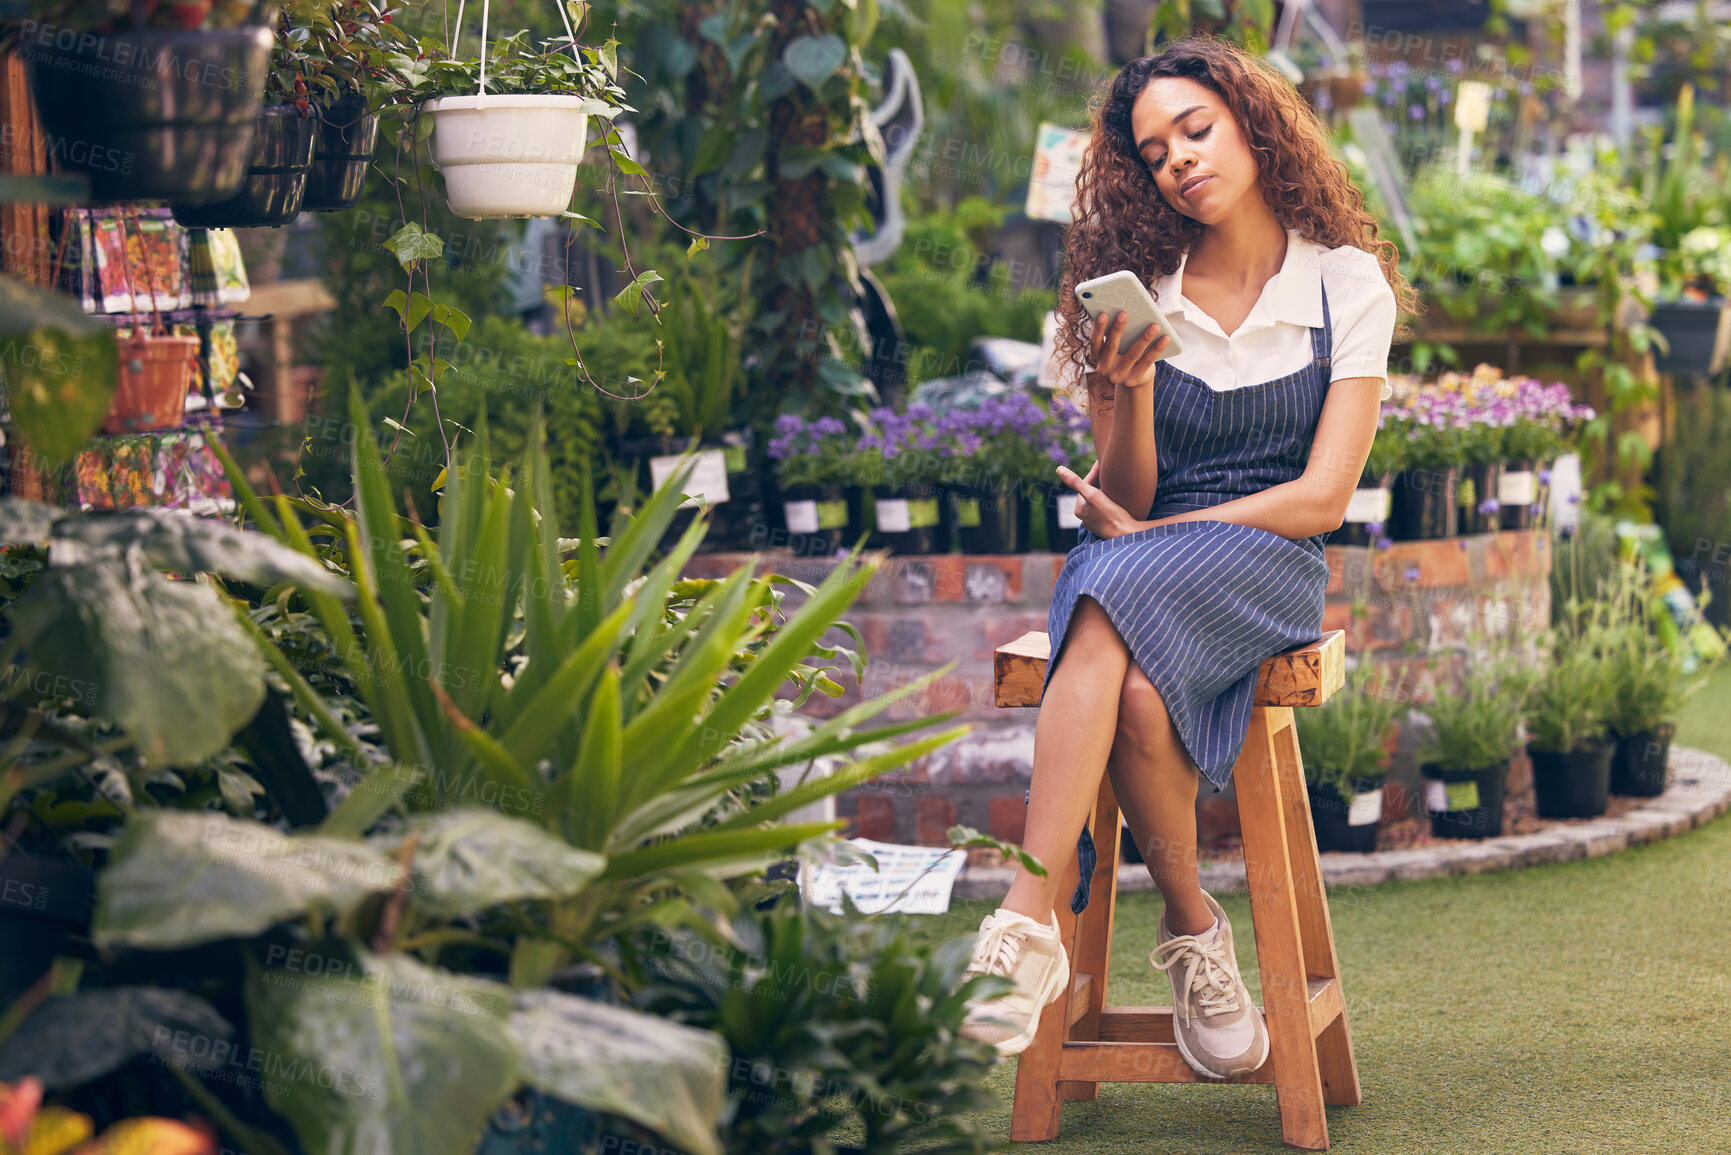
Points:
x=1100, y=713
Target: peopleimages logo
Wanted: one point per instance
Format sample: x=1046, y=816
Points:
x=128, y=58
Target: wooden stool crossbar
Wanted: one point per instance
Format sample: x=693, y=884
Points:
x=1089, y=1042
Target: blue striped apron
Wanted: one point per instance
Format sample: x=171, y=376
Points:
x=1201, y=604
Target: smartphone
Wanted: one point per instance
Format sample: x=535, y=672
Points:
x=1124, y=291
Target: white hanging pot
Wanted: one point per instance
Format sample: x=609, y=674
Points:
x=508, y=156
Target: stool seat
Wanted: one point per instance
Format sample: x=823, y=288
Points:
x=1087, y=1041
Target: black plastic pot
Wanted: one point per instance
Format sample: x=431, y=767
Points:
x=914, y=516
x=42, y=902
x=153, y=115
x=1372, y=504
x=1423, y=504
x=276, y=178
x=818, y=519
x=1639, y=765
x=732, y=523
x=1572, y=783
x=994, y=521
x=1690, y=327
x=1058, y=506
x=1472, y=800
x=342, y=152
x=1332, y=816
x=1520, y=496
x=1476, y=506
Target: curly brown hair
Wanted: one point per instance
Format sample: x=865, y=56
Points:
x=1122, y=221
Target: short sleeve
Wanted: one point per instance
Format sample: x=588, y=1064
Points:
x=1363, y=312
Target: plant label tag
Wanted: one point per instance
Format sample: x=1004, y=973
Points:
x=801, y=516
x=893, y=515
x=909, y=879
x=1436, y=797
x=1520, y=488
x=831, y=514
x=1368, y=505
x=968, y=512
x=1463, y=795
x=708, y=478
x=1366, y=808
x=1067, y=518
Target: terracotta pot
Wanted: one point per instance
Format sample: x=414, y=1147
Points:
x=150, y=392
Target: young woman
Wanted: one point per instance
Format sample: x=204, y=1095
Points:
x=1220, y=472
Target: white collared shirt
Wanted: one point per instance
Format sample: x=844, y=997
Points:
x=1274, y=339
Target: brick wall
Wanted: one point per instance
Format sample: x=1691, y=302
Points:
x=921, y=612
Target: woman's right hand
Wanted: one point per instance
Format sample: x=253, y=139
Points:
x=1135, y=366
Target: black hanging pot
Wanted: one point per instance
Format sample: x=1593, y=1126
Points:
x=1520, y=496
x=1369, y=506
x=1638, y=766
x=342, y=153
x=1063, y=530
x=818, y=519
x=1572, y=783
x=1423, y=504
x=1465, y=803
x=990, y=520
x=162, y=115
x=276, y=179
x=910, y=519
x=1690, y=327
x=1477, y=509
x=1347, y=826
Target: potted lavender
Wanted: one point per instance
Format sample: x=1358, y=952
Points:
x=1015, y=450
x=1544, y=418
x=899, y=458
x=1070, y=443
x=1368, y=509
x=821, y=509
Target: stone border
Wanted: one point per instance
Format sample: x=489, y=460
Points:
x=1700, y=791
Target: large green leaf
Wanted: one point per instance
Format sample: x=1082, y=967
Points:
x=470, y=860
x=407, y=1060
x=178, y=878
x=166, y=660
x=60, y=367
x=814, y=59
x=666, y=1076
x=69, y=1040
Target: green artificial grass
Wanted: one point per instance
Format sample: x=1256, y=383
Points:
x=1576, y=1007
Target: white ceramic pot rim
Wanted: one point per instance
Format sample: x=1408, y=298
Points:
x=490, y=101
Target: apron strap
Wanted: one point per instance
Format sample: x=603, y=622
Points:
x=1322, y=340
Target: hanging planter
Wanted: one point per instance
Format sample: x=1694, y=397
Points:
x=343, y=147
x=276, y=181
x=151, y=386
x=1690, y=328
x=158, y=115
x=513, y=152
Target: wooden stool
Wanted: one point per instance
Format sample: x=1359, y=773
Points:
x=1088, y=1042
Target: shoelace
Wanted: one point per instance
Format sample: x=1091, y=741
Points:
x=1209, y=975
x=996, y=950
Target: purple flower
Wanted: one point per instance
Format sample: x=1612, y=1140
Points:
x=1374, y=528
x=1384, y=542
x=1416, y=111
x=1489, y=505
x=1411, y=573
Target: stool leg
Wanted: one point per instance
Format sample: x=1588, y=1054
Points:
x=1334, y=1045
x=1257, y=780
x=1034, y=1114
x=1092, y=955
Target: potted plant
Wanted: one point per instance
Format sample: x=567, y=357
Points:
x=1072, y=437
x=512, y=150
x=154, y=370
x=899, y=459
x=1427, y=424
x=1008, y=449
x=275, y=184
x=1464, y=756
x=822, y=510
x=692, y=407
x=1568, y=736
x=1346, y=751
x=1647, y=683
x=1695, y=266
x=1532, y=440
x=1367, y=511
x=1480, y=470
x=346, y=59
x=162, y=101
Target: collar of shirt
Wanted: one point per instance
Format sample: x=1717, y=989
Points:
x=1294, y=294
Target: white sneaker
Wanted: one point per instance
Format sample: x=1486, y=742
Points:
x=1220, y=1032
x=1033, y=957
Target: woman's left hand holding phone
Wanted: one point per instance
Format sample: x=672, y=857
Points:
x=1135, y=366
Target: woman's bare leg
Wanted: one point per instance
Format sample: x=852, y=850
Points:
x=1073, y=737
x=1155, y=781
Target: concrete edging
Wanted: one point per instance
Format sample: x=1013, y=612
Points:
x=1700, y=790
